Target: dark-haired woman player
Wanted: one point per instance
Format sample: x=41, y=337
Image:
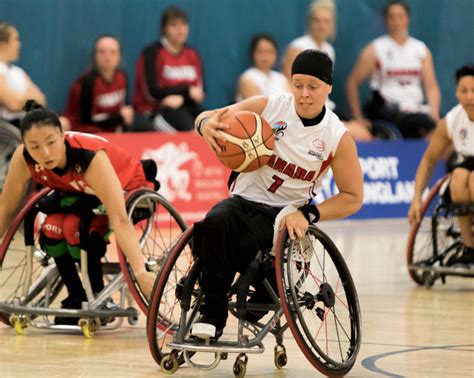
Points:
x=72, y=162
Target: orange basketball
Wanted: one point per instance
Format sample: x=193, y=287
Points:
x=250, y=142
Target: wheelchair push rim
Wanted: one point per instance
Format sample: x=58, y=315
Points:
x=319, y=300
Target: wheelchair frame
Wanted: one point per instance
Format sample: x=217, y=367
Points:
x=38, y=276
x=170, y=320
x=434, y=239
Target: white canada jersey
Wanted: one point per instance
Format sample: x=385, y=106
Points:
x=460, y=130
x=272, y=83
x=301, y=157
x=16, y=79
x=398, y=73
x=307, y=42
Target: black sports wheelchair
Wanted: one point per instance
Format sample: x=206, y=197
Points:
x=310, y=291
x=31, y=287
x=436, y=238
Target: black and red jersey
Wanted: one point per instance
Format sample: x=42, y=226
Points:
x=94, y=103
x=159, y=73
x=81, y=149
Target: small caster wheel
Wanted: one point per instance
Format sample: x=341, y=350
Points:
x=169, y=364
x=19, y=323
x=240, y=366
x=89, y=326
x=428, y=279
x=281, y=358
x=132, y=319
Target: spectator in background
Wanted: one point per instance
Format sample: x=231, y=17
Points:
x=400, y=67
x=15, y=85
x=169, y=79
x=97, y=99
x=321, y=27
x=260, y=79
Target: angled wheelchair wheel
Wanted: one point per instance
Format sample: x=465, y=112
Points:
x=27, y=275
x=385, y=130
x=436, y=235
x=158, y=225
x=171, y=294
x=319, y=300
x=10, y=139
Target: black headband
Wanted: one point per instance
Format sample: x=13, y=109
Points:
x=314, y=63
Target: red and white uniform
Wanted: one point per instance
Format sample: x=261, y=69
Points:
x=301, y=157
x=99, y=110
x=81, y=149
x=174, y=74
x=460, y=130
x=398, y=75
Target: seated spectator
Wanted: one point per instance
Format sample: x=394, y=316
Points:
x=321, y=27
x=97, y=99
x=400, y=67
x=15, y=85
x=260, y=79
x=169, y=82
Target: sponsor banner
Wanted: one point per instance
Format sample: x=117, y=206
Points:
x=191, y=176
x=389, y=170
x=193, y=179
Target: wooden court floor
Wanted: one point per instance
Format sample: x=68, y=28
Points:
x=407, y=330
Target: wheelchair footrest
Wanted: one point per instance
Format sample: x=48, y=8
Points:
x=15, y=309
x=217, y=346
x=445, y=270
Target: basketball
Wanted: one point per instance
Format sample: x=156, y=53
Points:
x=250, y=142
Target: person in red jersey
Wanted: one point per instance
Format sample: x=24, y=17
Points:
x=98, y=99
x=80, y=168
x=169, y=78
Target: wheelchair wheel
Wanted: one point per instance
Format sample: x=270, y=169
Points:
x=385, y=130
x=10, y=139
x=158, y=225
x=436, y=234
x=163, y=319
x=319, y=300
x=26, y=279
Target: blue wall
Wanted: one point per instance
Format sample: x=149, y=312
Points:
x=57, y=36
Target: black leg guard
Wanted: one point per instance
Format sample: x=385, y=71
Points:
x=67, y=270
x=96, y=250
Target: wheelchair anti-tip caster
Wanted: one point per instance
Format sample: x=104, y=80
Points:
x=281, y=358
x=89, y=326
x=240, y=365
x=18, y=322
x=169, y=364
x=429, y=279
x=132, y=319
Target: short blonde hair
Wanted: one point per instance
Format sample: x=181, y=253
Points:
x=323, y=4
x=5, y=31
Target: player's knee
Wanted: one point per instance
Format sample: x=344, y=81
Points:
x=71, y=229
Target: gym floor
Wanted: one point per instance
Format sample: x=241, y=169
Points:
x=406, y=330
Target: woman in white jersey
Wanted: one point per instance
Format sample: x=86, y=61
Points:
x=457, y=130
x=309, y=138
x=400, y=67
x=261, y=79
x=15, y=85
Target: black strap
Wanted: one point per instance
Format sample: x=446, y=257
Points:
x=86, y=99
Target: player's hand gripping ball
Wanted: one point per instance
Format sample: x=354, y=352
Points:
x=250, y=142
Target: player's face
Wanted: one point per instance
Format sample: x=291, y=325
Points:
x=264, y=55
x=322, y=24
x=465, y=95
x=310, y=94
x=107, y=54
x=176, y=31
x=12, y=47
x=46, y=146
x=397, y=20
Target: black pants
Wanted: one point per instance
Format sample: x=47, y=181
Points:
x=226, y=241
x=411, y=125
